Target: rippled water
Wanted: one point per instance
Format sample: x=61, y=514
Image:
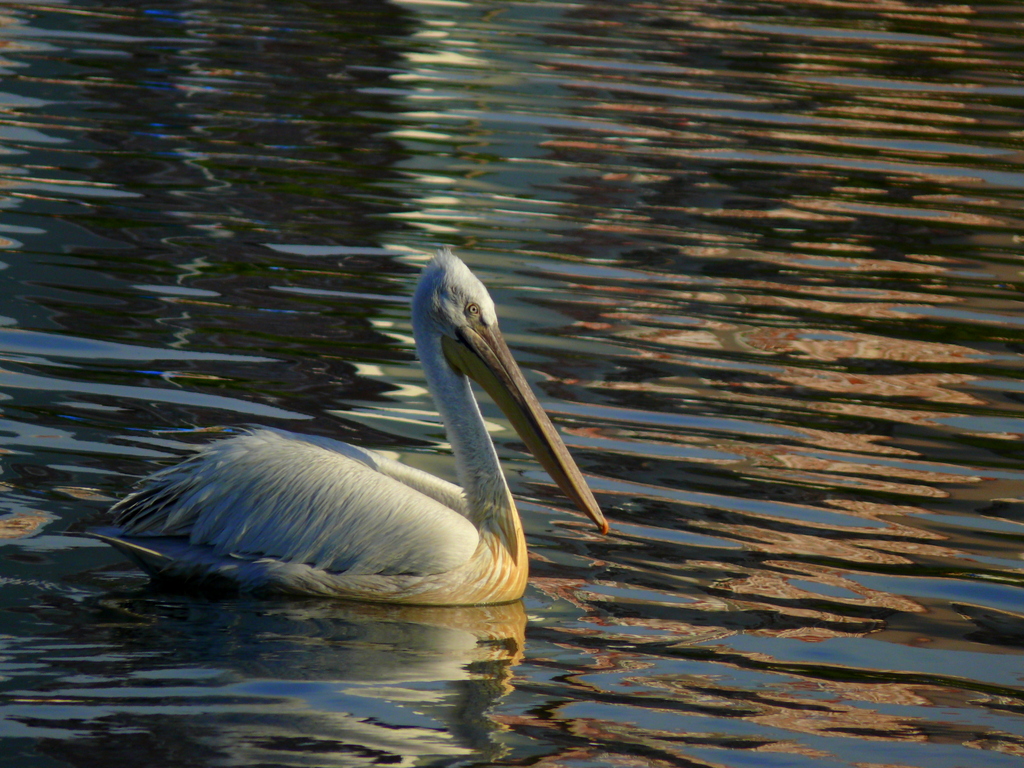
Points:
x=763, y=261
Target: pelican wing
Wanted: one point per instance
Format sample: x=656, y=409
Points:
x=440, y=490
x=315, y=501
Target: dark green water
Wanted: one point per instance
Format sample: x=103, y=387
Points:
x=762, y=261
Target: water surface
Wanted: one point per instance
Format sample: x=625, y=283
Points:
x=761, y=261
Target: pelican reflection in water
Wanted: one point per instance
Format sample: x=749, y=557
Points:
x=272, y=511
x=282, y=682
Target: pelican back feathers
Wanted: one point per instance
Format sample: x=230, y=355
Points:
x=326, y=504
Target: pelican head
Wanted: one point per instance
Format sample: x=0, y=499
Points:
x=454, y=319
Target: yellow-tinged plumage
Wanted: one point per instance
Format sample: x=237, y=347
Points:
x=271, y=511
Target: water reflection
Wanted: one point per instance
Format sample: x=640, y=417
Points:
x=332, y=683
x=761, y=259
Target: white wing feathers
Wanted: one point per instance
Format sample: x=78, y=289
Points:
x=440, y=490
x=307, y=500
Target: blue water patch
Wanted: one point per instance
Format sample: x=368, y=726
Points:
x=997, y=424
x=985, y=593
x=675, y=419
x=650, y=533
x=961, y=315
x=877, y=655
x=829, y=590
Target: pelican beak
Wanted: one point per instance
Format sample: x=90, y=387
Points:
x=481, y=353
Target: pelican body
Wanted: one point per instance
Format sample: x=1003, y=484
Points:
x=273, y=511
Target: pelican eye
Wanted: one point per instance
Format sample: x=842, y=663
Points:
x=473, y=310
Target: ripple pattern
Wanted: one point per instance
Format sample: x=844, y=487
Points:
x=762, y=260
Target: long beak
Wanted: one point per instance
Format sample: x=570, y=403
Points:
x=481, y=354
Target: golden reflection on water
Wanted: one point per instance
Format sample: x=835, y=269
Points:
x=761, y=261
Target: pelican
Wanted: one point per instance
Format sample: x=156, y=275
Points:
x=271, y=511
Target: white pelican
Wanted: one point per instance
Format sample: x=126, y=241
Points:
x=272, y=511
